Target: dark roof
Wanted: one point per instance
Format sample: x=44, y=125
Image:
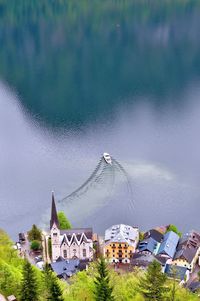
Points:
x=60, y=258
x=187, y=254
x=162, y=259
x=188, y=246
x=156, y=235
x=65, y=268
x=78, y=231
x=142, y=260
x=22, y=236
x=54, y=216
x=179, y=271
x=194, y=286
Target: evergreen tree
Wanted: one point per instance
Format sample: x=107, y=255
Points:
x=152, y=284
x=53, y=291
x=34, y=234
x=103, y=290
x=29, y=291
x=173, y=289
x=47, y=281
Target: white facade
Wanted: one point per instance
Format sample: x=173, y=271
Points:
x=71, y=244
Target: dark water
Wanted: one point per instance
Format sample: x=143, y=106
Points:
x=81, y=78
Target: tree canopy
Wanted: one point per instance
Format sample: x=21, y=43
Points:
x=173, y=228
x=63, y=221
x=103, y=289
x=35, y=234
x=152, y=284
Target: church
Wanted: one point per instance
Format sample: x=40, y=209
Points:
x=69, y=244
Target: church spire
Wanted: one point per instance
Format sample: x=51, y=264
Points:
x=54, y=216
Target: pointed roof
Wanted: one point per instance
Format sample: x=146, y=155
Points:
x=54, y=216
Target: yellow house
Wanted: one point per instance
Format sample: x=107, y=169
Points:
x=120, y=243
x=188, y=251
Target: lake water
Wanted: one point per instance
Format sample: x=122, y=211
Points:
x=78, y=79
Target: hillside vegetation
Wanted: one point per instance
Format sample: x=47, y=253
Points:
x=126, y=286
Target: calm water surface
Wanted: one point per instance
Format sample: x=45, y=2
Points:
x=80, y=79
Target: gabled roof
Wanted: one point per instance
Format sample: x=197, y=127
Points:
x=54, y=216
x=156, y=235
x=121, y=234
x=188, y=254
x=169, y=244
x=142, y=260
x=78, y=231
x=177, y=271
x=148, y=244
x=65, y=267
x=77, y=238
x=194, y=286
x=188, y=246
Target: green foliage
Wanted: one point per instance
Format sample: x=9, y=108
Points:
x=174, y=229
x=10, y=266
x=63, y=221
x=35, y=245
x=103, y=290
x=52, y=290
x=29, y=286
x=152, y=284
x=141, y=235
x=34, y=234
x=126, y=287
x=82, y=286
x=49, y=248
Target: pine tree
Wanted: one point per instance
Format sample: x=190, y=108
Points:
x=152, y=284
x=103, y=290
x=53, y=291
x=34, y=234
x=28, y=289
x=47, y=281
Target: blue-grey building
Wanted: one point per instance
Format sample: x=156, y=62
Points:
x=148, y=245
x=169, y=244
x=66, y=268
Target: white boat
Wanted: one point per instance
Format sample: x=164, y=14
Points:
x=107, y=158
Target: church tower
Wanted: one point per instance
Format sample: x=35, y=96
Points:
x=55, y=231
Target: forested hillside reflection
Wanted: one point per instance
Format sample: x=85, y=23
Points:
x=73, y=61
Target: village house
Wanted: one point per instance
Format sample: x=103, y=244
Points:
x=69, y=244
x=155, y=246
x=120, y=243
x=67, y=268
x=188, y=251
x=161, y=245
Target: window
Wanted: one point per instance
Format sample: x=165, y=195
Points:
x=65, y=253
x=54, y=234
x=74, y=251
x=84, y=252
x=113, y=251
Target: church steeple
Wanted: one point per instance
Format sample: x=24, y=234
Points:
x=54, y=216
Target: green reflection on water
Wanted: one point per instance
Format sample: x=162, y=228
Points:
x=73, y=62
